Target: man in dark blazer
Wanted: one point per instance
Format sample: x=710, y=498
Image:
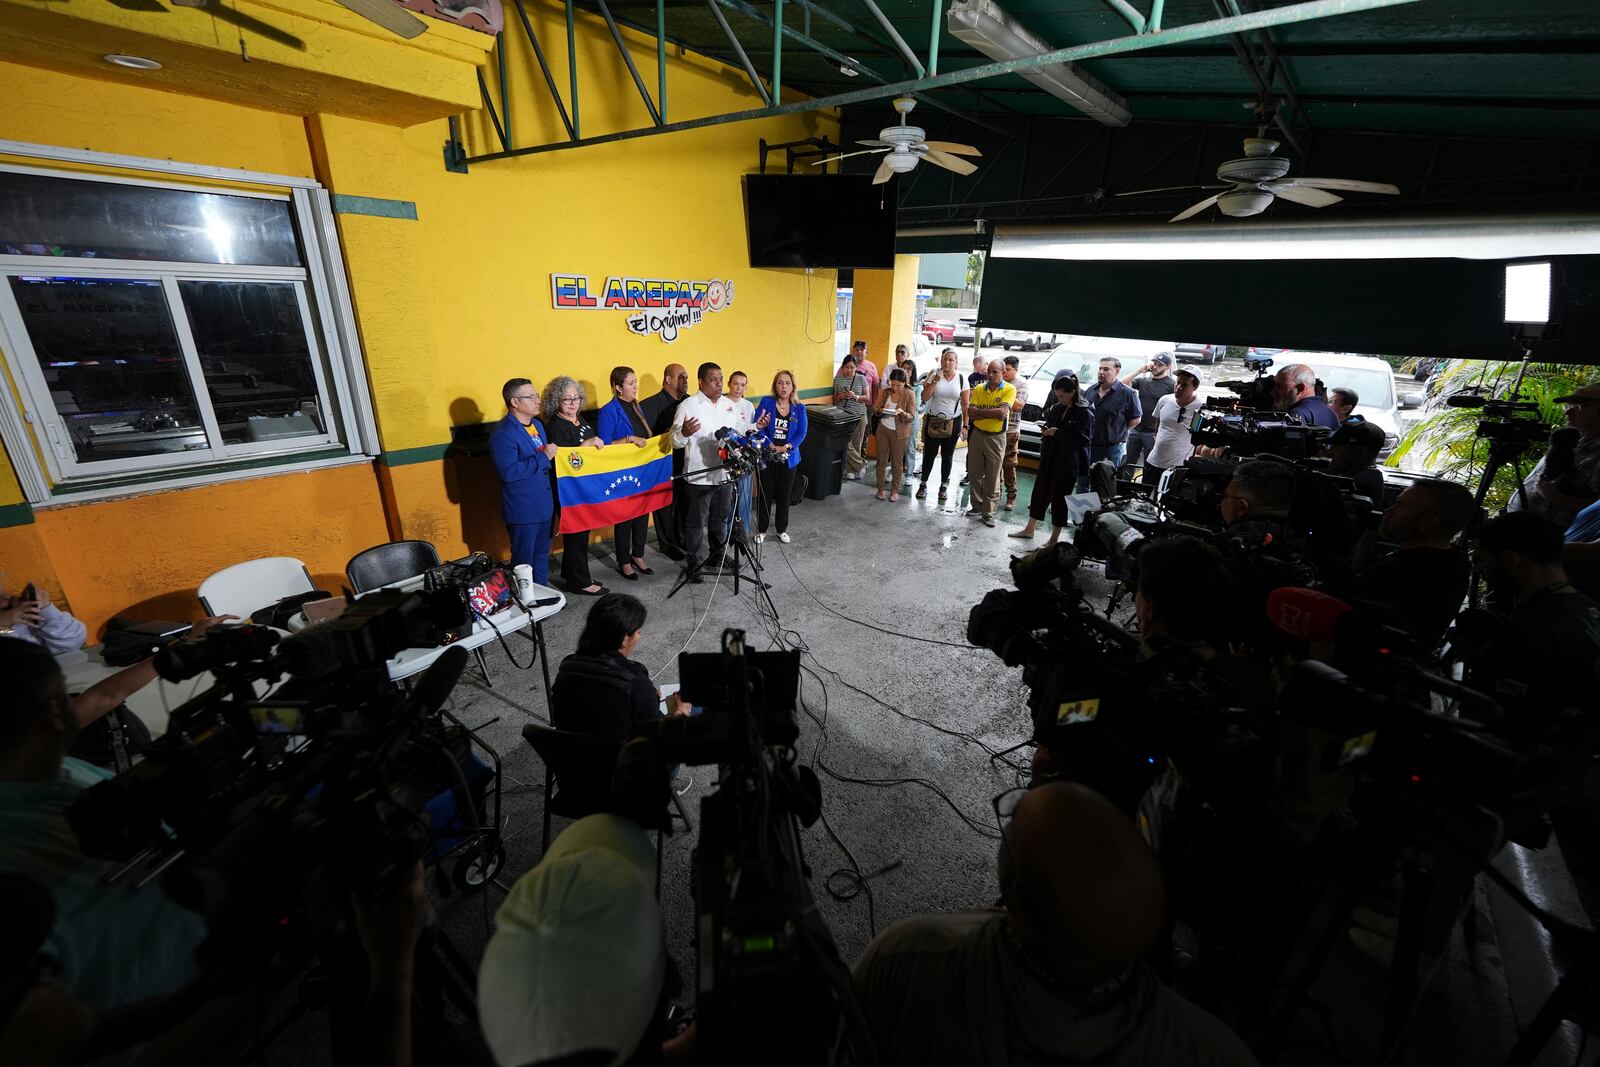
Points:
x=522, y=455
x=658, y=412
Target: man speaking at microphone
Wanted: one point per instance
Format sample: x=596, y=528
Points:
x=694, y=429
x=1567, y=479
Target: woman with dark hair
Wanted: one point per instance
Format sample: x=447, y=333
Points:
x=564, y=422
x=945, y=395
x=1063, y=452
x=599, y=689
x=623, y=420
x=895, y=410
x=786, y=419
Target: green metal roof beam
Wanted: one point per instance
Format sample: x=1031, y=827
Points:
x=738, y=49
x=1128, y=12
x=1282, y=16
x=894, y=36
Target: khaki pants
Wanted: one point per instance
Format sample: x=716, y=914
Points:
x=891, y=459
x=1008, y=466
x=854, y=457
x=984, y=452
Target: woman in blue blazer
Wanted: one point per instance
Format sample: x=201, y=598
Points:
x=786, y=427
x=623, y=420
x=522, y=455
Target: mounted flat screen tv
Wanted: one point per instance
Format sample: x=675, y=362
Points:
x=819, y=220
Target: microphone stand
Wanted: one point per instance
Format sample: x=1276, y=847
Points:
x=738, y=539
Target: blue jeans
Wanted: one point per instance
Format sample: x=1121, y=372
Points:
x=1097, y=453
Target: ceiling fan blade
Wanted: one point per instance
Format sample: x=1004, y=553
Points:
x=885, y=172
x=1195, y=209
x=254, y=25
x=945, y=160
x=139, y=5
x=876, y=144
x=847, y=155
x=953, y=149
x=1309, y=195
x=389, y=15
x=1348, y=185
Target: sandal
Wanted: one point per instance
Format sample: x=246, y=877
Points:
x=880, y=494
x=893, y=497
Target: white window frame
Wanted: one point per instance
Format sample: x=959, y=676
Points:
x=326, y=312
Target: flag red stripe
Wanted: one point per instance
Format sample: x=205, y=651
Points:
x=575, y=518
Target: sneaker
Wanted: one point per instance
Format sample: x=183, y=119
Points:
x=880, y=494
x=893, y=497
x=1011, y=502
x=963, y=481
x=922, y=491
x=988, y=520
x=784, y=537
x=760, y=537
x=944, y=491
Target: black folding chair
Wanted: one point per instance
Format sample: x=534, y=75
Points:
x=396, y=561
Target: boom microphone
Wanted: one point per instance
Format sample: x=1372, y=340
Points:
x=1559, y=460
x=1313, y=616
x=1466, y=400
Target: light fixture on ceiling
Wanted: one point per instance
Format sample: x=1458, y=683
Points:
x=983, y=25
x=120, y=59
x=848, y=71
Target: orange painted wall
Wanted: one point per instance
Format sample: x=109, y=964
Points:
x=147, y=553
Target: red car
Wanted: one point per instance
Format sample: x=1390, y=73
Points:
x=938, y=332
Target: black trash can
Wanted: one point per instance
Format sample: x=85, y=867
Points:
x=822, y=453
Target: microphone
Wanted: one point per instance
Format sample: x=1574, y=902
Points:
x=1559, y=460
x=1466, y=400
x=723, y=433
x=1314, y=616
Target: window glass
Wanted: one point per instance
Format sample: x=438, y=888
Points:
x=45, y=216
x=111, y=360
x=256, y=359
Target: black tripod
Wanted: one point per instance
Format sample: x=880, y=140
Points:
x=738, y=542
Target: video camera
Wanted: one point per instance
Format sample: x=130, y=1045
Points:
x=1504, y=421
x=770, y=976
x=1109, y=718
x=264, y=812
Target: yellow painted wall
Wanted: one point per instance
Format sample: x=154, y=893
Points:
x=884, y=312
x=448, y=305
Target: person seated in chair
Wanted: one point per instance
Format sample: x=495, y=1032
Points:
x=599, y=689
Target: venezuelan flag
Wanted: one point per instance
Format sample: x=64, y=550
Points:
x=615, y=483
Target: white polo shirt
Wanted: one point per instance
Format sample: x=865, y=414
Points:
x=700, y=451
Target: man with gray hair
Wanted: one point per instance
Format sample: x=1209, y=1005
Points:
x=1295, y=390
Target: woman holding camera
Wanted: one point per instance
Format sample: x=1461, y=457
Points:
x=623, y=420
x=786, y=421
x=1063, y=452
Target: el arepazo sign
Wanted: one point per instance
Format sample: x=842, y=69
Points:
x=661, y=306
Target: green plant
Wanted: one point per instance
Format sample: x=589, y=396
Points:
x=1446, y=443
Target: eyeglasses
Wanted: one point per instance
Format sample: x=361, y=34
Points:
x=571, y=399
x=526, y=396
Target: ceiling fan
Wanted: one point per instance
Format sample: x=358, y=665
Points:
x=904, y=145
x=1260, y=177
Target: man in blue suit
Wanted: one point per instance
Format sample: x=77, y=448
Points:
x=527, y=491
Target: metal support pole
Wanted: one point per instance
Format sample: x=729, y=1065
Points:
x=777, y=51
x=661, y=59
x=1153, y=23
x=1128, y=12
x=627, y=57
x=505, y=84
x=1280, y=16
x=544, y=68
x=894, y=36
x=494, y=116
x=933, y=37
x=572, y=73
x=744, y=60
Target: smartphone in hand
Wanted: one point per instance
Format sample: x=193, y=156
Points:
x=30, y=592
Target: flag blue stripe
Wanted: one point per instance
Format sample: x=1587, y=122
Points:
x=607, y=487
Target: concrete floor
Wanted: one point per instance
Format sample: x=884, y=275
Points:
x=905, y=700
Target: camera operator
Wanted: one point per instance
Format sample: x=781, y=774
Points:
x=1425, y=578
x=1543, y=661
x=1257, y=499
x=115, y=944
x=1559, y=496
x=1354, y=448
x=1294, y=389
x=1053, y=975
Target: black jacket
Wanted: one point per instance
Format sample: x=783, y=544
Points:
x=659, y=409
x=607, y=694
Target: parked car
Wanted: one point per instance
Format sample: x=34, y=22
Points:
x=1188, y=352
x=1032, y=340
x=1369, y=376
x=939, y=331
x=1081, y=355
x=964, y=329
x=1253, y=353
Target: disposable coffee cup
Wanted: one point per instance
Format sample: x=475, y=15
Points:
x=523, y=575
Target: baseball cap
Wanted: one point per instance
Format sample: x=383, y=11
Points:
x=1578, y=396
x=1163, y=357
x=1368, y=434
x=1193, y=372
x=584, y=920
